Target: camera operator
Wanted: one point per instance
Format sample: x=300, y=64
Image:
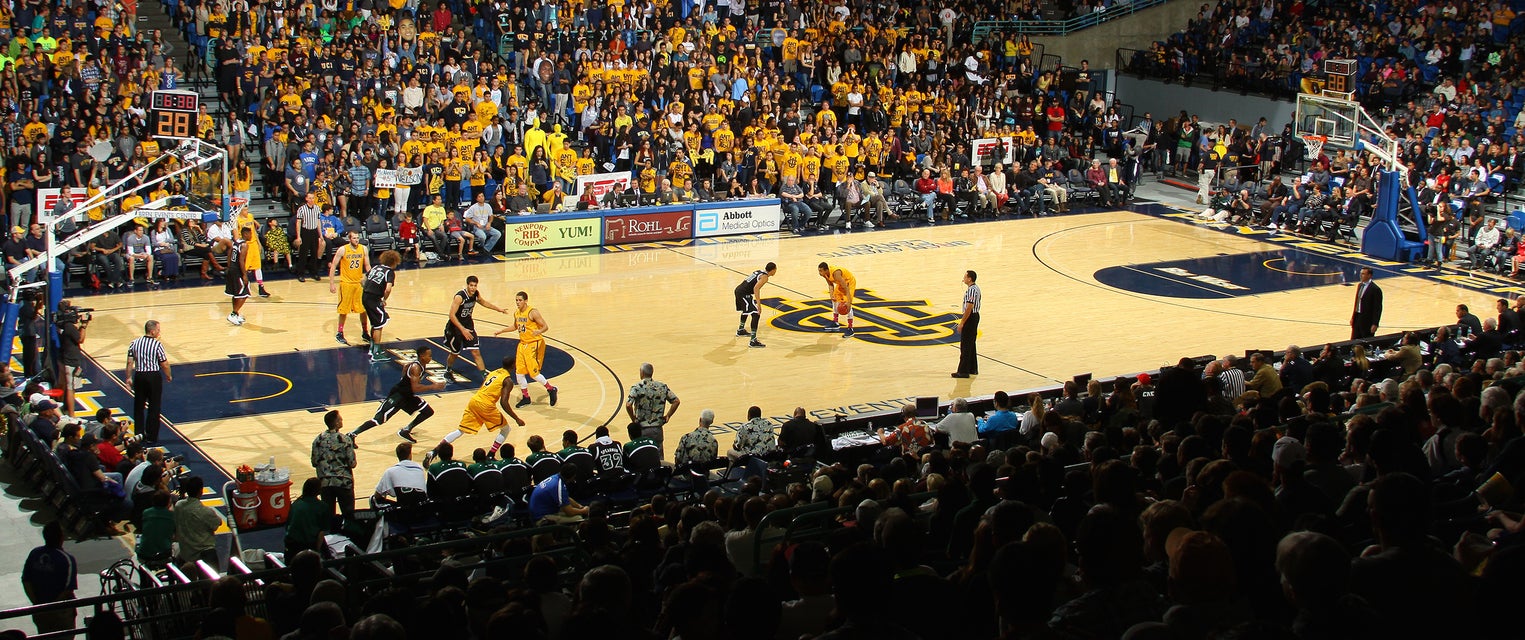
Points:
x=72, y=324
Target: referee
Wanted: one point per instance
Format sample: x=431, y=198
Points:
x=148, y=368
x=308, y=238
x=969, y=329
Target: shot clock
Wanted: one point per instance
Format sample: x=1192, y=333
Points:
x=174, y=113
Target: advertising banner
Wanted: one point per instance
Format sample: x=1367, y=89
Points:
x=739, y=217
x=621, y=228
x=988, y=151
x=601, y=183
x=49, y=196
x=526, y=233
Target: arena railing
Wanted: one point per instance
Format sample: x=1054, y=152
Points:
x=1143, y=64
x=1060, y=27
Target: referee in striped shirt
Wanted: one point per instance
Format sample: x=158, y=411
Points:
x=308, y=239
x=148, y=368
x=969, y=329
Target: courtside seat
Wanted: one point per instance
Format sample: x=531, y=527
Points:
x=585, y=463
x=644, y=458
x=378, y=233
x=545, y=468
x=488, y=487
x=447, y=493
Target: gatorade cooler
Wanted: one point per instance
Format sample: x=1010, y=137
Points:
x=274, y=497
x=246, y=509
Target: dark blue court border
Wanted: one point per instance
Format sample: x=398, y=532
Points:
x=1476, y=281
x=319, y=378
x=1230, y=275
x=373, y=390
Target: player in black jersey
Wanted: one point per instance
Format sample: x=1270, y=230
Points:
x=375, y=290
x=608, y=452
x=748, y=294
x=404, y=397
x=237, y=283
x=461, y=329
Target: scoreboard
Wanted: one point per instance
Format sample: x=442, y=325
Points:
x=173, y=113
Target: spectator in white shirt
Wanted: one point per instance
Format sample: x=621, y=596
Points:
x=997, y=182
x=139, y=249
x=1484, y=242
x=1445, y=89
x=220, y=236
x=854, y=105
x=972, y=68
x=478, y=220
x=985, y=196
x=406, y=474
x=960, y=425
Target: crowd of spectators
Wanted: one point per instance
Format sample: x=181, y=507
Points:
x=1303, y=496
x=1439, y=76
x=694, y=100
x=1202, y=513
x=1403, y=48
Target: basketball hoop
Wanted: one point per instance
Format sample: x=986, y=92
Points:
x=1314, y=144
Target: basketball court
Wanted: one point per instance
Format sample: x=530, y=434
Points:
x=1110, y=292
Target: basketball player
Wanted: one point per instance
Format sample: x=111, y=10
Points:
x=461, y=329
x=256, y=260
x=842, y=285
x=351, y=262
x=236, y=284
x=373, y=297
x=404, y=397
x=486, y=409
x=748, y=297
x=531, y=354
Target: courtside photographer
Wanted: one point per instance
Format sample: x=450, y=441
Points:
x=72, y=323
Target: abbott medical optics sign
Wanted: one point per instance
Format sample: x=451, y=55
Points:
x=730, y=219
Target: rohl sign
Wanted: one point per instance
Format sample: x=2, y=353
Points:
x=648, y=227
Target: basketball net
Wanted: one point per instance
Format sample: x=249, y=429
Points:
x=1314, y=145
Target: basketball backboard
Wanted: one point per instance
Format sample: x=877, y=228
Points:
x=1343, y=124
x=1333, y=118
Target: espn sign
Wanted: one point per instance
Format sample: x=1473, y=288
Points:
x=601, y=183
x=987, y=151
x=621, y=228
x=730, y=219
x=541, y=234
x=48, y=197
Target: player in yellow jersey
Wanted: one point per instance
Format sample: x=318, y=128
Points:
x=531, y=353
x=842, y=285
x=351, y=262
x=245, y=220
x=485, y=409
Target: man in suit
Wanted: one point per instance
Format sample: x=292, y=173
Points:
x=1296, y=372
x=1265, y=381
x=1509, y=320
x=1466, y=323
x=1486, y=344
x=1368, y=310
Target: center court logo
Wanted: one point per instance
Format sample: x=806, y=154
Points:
x=901, y=323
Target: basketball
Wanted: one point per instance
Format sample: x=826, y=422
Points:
x=842, y=307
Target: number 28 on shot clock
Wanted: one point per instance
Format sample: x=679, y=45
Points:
x=174, y=113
